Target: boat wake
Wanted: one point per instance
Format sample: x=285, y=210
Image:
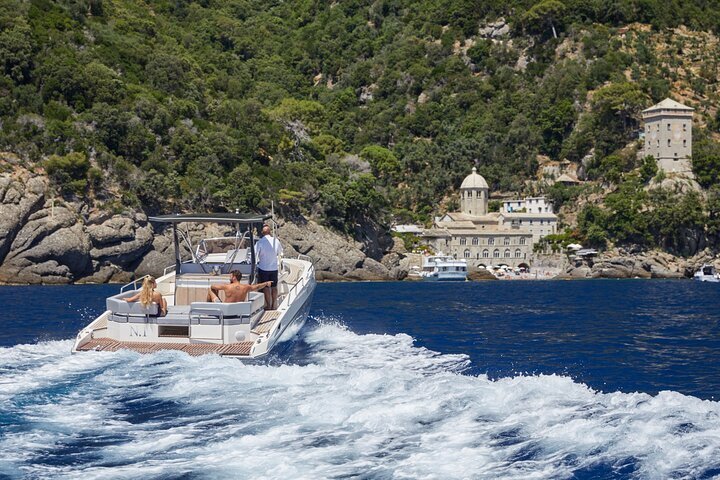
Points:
x=366, y=406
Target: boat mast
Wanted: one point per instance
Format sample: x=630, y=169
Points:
x=252, y=255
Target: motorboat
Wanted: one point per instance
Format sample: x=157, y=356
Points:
x=707, y=273
x=443, y=268
x=193, y=325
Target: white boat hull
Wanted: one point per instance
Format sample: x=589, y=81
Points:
x=446, y=277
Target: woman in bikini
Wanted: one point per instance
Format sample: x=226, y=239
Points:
x=148, y=296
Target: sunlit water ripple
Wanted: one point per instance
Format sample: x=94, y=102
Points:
x=371, y=390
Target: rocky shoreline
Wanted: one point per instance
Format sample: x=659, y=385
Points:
x=619, y=263
x=47, y=240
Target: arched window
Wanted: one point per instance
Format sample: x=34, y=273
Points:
x=478, y=194
x=518, y=253
x=522, y=240
x=506, y=241
x=463, y=241
x=475, y=240
x=496, y=253
x=491, y=241
x=486, y=253
x=466, y=253
x=668, y=142
x=507, y=253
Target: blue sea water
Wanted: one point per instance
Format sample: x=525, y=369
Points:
x=592, y=379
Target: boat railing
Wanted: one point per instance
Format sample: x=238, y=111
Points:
x=168, y=268
x=301, y=282
x=133, y=283
x=306, y=258
x=294, y=288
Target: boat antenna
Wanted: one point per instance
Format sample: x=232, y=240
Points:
x=272, y=215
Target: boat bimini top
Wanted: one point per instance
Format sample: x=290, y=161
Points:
x=240, y=255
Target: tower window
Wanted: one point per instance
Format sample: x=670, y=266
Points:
x=668, y=142
x=684, y=127
x=684, y=143
x=475, y=241
x=491, y=241
x=668, y=127
x=463, y=241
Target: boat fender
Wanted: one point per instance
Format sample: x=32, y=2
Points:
x=240, y=336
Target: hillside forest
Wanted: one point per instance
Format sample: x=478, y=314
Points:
x=356, y=112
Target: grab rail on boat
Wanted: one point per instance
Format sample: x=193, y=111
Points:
x=169, y=267
x=307, y=258
x=133, y=283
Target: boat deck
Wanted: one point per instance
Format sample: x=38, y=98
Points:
x=239, y=349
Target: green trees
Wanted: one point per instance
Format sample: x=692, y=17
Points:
x=383, y=162
x=546, y=14
x=347, y=111
x=705, y=160
x=69, y=172
x=16, y=49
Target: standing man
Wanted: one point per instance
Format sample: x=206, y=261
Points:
x=267, y=250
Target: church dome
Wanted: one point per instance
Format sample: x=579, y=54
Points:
x=474, y=180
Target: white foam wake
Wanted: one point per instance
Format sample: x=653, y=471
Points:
x=369, y=406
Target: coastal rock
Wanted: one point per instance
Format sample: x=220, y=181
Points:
x=619, y=267
x=50, y=248
x=18, y=200
x=120, y=240
x=481, y=274
x=160, y=256
x=334, y=254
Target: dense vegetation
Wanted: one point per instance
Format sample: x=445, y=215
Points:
x=349, y=111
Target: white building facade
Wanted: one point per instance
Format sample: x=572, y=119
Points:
x=527, y=205
x=490, y=239
x=668, y=136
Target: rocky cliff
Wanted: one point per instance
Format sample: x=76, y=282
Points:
x=44, y=239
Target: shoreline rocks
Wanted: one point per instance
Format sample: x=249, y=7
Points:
x=47, y=240
x=618, y=263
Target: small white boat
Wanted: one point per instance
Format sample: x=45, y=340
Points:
x=193, y=325
x=441, y=268
x=707, y=273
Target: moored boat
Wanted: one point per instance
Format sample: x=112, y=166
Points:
x=194, y=325
x=707, y=273
x=443, y=268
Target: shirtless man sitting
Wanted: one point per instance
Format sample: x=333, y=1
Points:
x=234, y=291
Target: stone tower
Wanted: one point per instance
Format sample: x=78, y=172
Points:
x=668, y=135
x=474, y=194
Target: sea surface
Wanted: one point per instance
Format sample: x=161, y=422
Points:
x=533, y=380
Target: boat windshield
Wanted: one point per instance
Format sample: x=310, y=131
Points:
x=221, y=245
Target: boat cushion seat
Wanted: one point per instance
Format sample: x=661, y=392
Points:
x=117, y=304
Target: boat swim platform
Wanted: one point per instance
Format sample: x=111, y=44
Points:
x=240, y=349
